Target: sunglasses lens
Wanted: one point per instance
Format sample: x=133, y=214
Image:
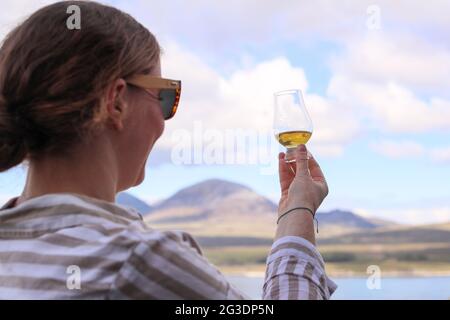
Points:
x=168, y=102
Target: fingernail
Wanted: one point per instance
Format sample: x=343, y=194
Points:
x=302, y=148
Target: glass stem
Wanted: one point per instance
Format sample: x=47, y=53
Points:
x=290, y=155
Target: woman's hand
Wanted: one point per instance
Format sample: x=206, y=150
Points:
x=302, y=184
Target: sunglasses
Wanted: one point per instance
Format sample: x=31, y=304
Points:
x=169, y=93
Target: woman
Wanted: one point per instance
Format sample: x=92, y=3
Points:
x=84, y=109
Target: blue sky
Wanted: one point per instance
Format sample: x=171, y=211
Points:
x=375, y=79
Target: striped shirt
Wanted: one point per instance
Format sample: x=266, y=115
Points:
x=71, y=246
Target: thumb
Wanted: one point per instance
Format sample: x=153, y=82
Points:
x=302, y=161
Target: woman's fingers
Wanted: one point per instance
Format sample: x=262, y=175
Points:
x=285, y=172
x=314, y=169
x=302, y=161
x=317, y=175
x=305, y=165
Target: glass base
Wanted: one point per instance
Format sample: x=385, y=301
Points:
x=289, y=156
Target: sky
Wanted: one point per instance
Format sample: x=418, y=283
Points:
x=374, y=75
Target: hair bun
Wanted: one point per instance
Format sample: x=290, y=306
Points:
x=13, y=148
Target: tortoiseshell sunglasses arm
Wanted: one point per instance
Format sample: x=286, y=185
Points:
x=152, y=82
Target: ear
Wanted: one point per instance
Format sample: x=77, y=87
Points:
x=116, y=106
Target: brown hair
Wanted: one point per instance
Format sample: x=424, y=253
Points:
x=52, y=78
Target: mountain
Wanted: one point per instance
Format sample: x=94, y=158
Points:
x=216, y=207
x=203, y=194
x=224, y=213
x=339, y=222
x=344, y=219
x=222, y=208
x=126, y=199
x=382, y=222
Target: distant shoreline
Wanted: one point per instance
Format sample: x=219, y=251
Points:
x=348, y=276
x=258, y=271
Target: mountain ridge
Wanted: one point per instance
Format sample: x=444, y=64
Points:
x=221, y=207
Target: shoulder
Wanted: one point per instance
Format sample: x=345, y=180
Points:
x=168, y=265
x=151, y=241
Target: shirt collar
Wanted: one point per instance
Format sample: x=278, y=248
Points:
x=9, y=204
x=127, y=212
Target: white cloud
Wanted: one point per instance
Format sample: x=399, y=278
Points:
x=411, y=216
x=398, y=149
x=441, y=154
x=14, y=11
x=395, y=82
x=408, y=149
x=327, y=150
x=225, y=25
x=244, y=100
x=404, y=58
x=369, y=90
x=389, y=106
x=334, y=123
x=374, y=82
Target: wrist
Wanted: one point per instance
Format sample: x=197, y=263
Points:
x=298, y=223
x=295, y=208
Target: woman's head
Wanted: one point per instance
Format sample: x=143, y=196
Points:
x=62, y=88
